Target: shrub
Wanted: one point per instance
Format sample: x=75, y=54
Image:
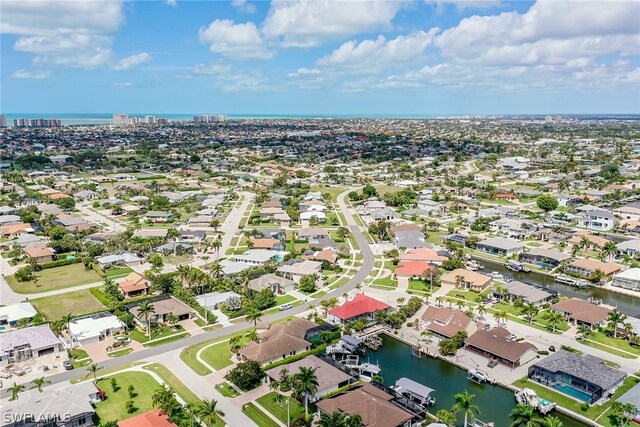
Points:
x=60, y=262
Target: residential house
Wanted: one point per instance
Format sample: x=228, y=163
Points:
x=548, y=258
x=28, y=343
x=325, y=255
x=410, y=269
x=296, y=270
x=498, y=345
x=515, y=228
x=629, y=279
x=582, y=312
x=11, y=314
x=268, y=243
x=152, y=418
x=500, y=246
x=566, y=200
x=429, y=255
x=134, y=285
x=630, y=248
x=192, y=236
x=15, y=230
x=95, y=328
x=627, y=212
x=527, y=293
x=256, y=257
x=583, y=377
x=150, y=233
x=158, y=216
x=384, y=214
x=213, y=300
x=597, y=220
x=162, y=307
x=84, y=195
x=360, y=306
x=40, y=253
x=279, y=342
x=465, y=279
x=445, y=323
x=409, y=239
x=584, y=267
x=312, y=234
x=124, y=259
x=279, y=285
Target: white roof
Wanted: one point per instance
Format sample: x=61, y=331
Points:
x=214, y=298
x=630, y=274
x=230, y=267
x=15, y=312
x=303, y=268
x=256, y=255
x=91, y=327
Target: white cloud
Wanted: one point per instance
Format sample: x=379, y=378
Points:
x=132, y=61
x=171, y=3
x=303, y=23
x=466, y=4
x=374, y=55
x=30, y=74
x=122, y=85
x=243, y=6
x=212, y=68
x=304, y=72
x=67, y=33
x=233, y=40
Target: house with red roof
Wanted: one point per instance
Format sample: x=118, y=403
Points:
x=425, y=254
x=415, y=269
x=361, y=306
x=153, y=418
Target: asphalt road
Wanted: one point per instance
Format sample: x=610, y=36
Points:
x=361, y=274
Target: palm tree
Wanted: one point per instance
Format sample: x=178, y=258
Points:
x=460, y=304
x=162, y=395
x=216, y=270
x=183, y=272
x=614, y=319
x=274, y=386
x=254, y=315
x=216, y=245
x=584, y=244
x=235, y=342
x=523, y=415
x=464, y=403
x=206, y=411
x=15, y=389
x=553, y=318
x=173, y=233
x=252, y=335
x=482, y=310
x=459, y=281
x=306, y=384
x=285, y=378
x=93, y=369
x=66, y=320
x=550, y=421
x=39, y=383
x=584, y=331
x=500, y=316
x=621, y=411
x=439, y=300
x=609, y=250
x=530, y=310
x=145, y=310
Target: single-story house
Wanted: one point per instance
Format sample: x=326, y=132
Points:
x=150, y=233
x=329, y=377
x=630, y=248
x=135, y=284
x=500, y=246
x=415, y=269
x=527, y=293
x=14, y=230
x=11, y=314
x=360, y=306
x=256, y=256
x=582, y=377
x=445, y=322
x=279, y=285
x=429, y=255
x=584, y=267
x=496, y=344
x=629, y=279
x=28, y=343
x=328, y=255
x=95, y=328
x=158, y=216
x=297, y=270
x=544, y=257
x=162, y=307
x=580, y=311
x=465, y=279
x=212, y=300
x=192, y=236
x=40, y=253
x=152, y=418
x=125, y=258
x=268, y=243
x=279, y=342
x=312, y=234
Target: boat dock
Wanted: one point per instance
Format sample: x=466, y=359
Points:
x=568, y=280
x=415, y=391
x=479, y=377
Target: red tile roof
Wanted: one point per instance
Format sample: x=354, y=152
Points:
x=358, y=306
x=414, y=268
x=153, y=418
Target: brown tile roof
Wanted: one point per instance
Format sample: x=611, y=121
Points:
x=135, y=282
x=582, y=310
x=279, y=341
x=328, y=255
x=444, y=321
x=372, y=404
x=473, y=277
x=14, y=228
x=264, y=243
x=495, y=341
x=593, y=264
x=328, y=376
x=38, y=251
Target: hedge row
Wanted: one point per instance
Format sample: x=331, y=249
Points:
x=60, y=263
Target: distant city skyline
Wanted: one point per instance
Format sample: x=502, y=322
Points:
x=320, y=58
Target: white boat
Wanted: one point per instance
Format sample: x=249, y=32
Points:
x=478, y=376
x=497, y=276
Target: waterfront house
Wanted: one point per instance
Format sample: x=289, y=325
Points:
x=580, y=312
x=515, y=228
x=630, y=248
x=629, y=279
x=582, y=377
x=374, y=406
x=584, y=267
x=497, y=344
x=361, y=306
x=279, y=285
x=28, y=343
x=597, y=220
x=71, y=406
x=329, y=377
x=500, y=246
x=544, y=257
x=627, y=213
x=279, y=342
x=465, y=279
x=296, y=269
x=527, y=293
x=425, y=254
x=95, y=328
x=445, y=322
x=134, y=285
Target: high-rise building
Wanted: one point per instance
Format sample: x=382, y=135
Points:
x=150, y=119
x=21, y=123
x=3, y=120
x=209, y=118
x=120, y=119
x=46, y=123
x=201, y=119
x=217, y=118
x=134, y=120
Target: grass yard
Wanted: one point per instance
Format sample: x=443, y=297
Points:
x=219, y=355
x=318, y=294
x=333, y=191
x=141, y=336
x=226, y=390
x=283, y=299
x=466, y=295
x=386, y=281
x=118, y=272
x=122, y=352
x=113, y=407
x=258, y=417
x=52, y=279
x=608, y=349
x=278, y=408
x=168, y=377
x=168, y=339
x=56, y=306
x=419, y=285
x=619, y=343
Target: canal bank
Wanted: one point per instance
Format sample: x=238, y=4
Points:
x=627, y=304
x=495, y=401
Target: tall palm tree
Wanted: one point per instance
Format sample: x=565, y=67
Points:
x=550, y=421
x=254, y=315
x=162, y=395
x=145, y=310
x=15, y=389
x=609, y=250
x=482, y=310
x=530, y=310
x=584, y=331
x=206, y=412
x=216, y=270
x=584, y=244
x=173, y=234
x=439, y=300
x=39, y=383
x=523, y=415
x=306, y=384
x=274, y=386
x=216, y=245
x=93, y=369
x=66, y=320
x=183, y=272
x=464, y=403
x=614, y=319
x=553, y=318
x=336, y=419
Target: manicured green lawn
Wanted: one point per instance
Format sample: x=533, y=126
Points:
x=574, y=405
x=219, y=355
x=168, y=377
x=226, y=390
x=188, y=356
x=333, y=191
x=608, y=349
x=76, y=302
x=118, y=272
x=506, y=307
x=278, y=408
x=283, y=299
x=386, y=281
x=79, y=353
x=419, y=285
x=156, y=333
x=166, y=340
x=52, y=279
x=619, y=343
x=113, y=407
x=318, y=294
x=560, y=326
x=122, y=352
x=258, y=417
x=467, y=295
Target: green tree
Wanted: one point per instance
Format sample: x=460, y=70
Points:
x=547, y=202
x=206, y=412
x=614, y=319
x=145, y=310
x=523, y=415
x=551, y=421
x=464, y=403
x=307, y=283
x=305, y=383
x=446, y=417
x=15, y=389
x=246, y=375
x=93, y=370
x=39, y=383
x=254, y=315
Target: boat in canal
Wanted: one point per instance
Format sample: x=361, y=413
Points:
x=497, y=276
x=568, y=280
x=415, y=391
x=527, y=396
x=479, y=377
x=517, y=266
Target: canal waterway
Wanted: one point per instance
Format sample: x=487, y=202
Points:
x=626, y=304
x=495, y=402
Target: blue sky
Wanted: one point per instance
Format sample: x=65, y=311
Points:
x=324, y=57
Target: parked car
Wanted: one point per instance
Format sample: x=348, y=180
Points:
x=67, y=365
x=284, y=307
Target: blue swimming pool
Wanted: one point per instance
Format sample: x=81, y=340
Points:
x=573, y=392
